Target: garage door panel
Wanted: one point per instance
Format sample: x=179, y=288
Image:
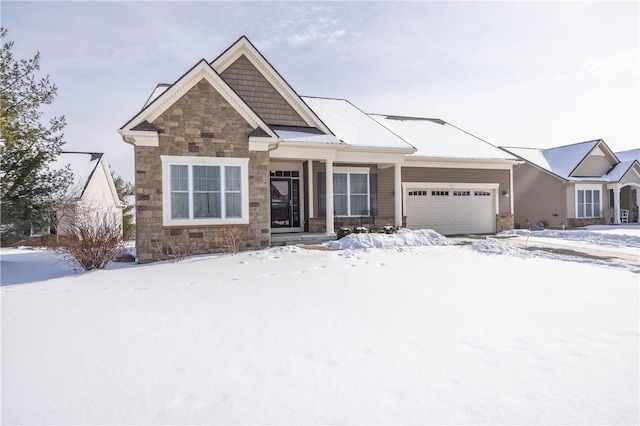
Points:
x=451, y=212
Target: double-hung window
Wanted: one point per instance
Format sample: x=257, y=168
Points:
x=351, y=193
x=588, y=201
x=205, y=190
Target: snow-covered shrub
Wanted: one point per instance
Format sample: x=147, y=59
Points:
x=343, y=232
x=389, y=229
x=361, y=230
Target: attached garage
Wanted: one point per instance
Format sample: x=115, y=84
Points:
x=451, y=208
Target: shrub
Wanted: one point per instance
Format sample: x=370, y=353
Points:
x=230, y=239
x=93, y=240
x=389, y=229
x=343, y=232
x=175, y=249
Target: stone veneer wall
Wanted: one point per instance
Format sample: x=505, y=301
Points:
x=579, y=223
x=200, y=123
x=504, y=222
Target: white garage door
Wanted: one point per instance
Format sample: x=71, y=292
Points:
x=451, y=212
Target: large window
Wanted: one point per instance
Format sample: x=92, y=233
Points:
x=351, y=194
x=588, y=202
x=205, y=190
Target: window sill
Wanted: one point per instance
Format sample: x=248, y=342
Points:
x=205, y=222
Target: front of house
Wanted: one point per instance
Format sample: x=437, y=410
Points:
x=230, y=145
x=575, y=185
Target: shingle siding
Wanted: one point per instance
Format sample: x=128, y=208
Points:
x=259, y=94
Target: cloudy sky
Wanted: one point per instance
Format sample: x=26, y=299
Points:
x=514, y=73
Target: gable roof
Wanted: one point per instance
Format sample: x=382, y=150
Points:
x=621, y=169
x=435, y=138
x=354, y=127
x=81, y=164
x=631, y=154
x=562, y=161
x=166, y=96
x=243, y=47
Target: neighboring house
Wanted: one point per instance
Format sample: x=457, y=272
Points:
x=231, y=144
x=575, y=185
x=91, y=196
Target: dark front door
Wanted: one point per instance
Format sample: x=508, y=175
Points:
x=285, y=203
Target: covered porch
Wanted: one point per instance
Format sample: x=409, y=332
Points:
x=624, y=199
x=333, y=189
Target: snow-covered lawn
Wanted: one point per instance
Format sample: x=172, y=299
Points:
x=420, y=331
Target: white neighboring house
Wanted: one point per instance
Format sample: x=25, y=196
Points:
x=92, y=194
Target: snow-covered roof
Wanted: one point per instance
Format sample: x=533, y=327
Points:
x=159, y=90
x=300, y=136
x=619, y=170
x=631, y=154
x=81, y=164
x=563, y=160
x=354, y=127
x=435, y=138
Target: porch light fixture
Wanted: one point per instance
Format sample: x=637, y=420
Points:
x=505, y=193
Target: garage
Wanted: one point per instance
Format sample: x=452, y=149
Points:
x=451, y=210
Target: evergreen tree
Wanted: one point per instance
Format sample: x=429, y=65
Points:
x=125, y=190
x=27, y=146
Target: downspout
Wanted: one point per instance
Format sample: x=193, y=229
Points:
x=564, y=204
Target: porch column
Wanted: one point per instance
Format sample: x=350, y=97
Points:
x=397, y=192
x=310, y=186
x=637, y=205
x=616, y=204
x=329, y=196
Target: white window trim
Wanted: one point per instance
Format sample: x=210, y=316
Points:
x=169, y=160
x=584, y=187
x=353, y=171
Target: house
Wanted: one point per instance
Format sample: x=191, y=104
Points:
x=91, y=195
x=230, y=145
x=575, y=185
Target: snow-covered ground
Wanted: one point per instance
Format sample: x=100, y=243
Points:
x=399, y=329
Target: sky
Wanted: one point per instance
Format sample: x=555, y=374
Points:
x=532, y=74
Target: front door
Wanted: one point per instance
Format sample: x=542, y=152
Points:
x=285, y=203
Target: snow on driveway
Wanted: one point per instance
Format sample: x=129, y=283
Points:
x=423, y=333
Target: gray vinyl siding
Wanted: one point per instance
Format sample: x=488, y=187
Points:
x=259, y=94
x=593, y=165
x=434, y=174
x=538, y=197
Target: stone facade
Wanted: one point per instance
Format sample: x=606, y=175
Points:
x=580, y=223
x=504, y=222
x=200, y=123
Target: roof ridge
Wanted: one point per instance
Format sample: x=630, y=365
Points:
x=408, y=117
x=326, y=98
x=574, y=144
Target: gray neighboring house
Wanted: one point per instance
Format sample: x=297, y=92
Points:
x=575, y=185
x=231, y=145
